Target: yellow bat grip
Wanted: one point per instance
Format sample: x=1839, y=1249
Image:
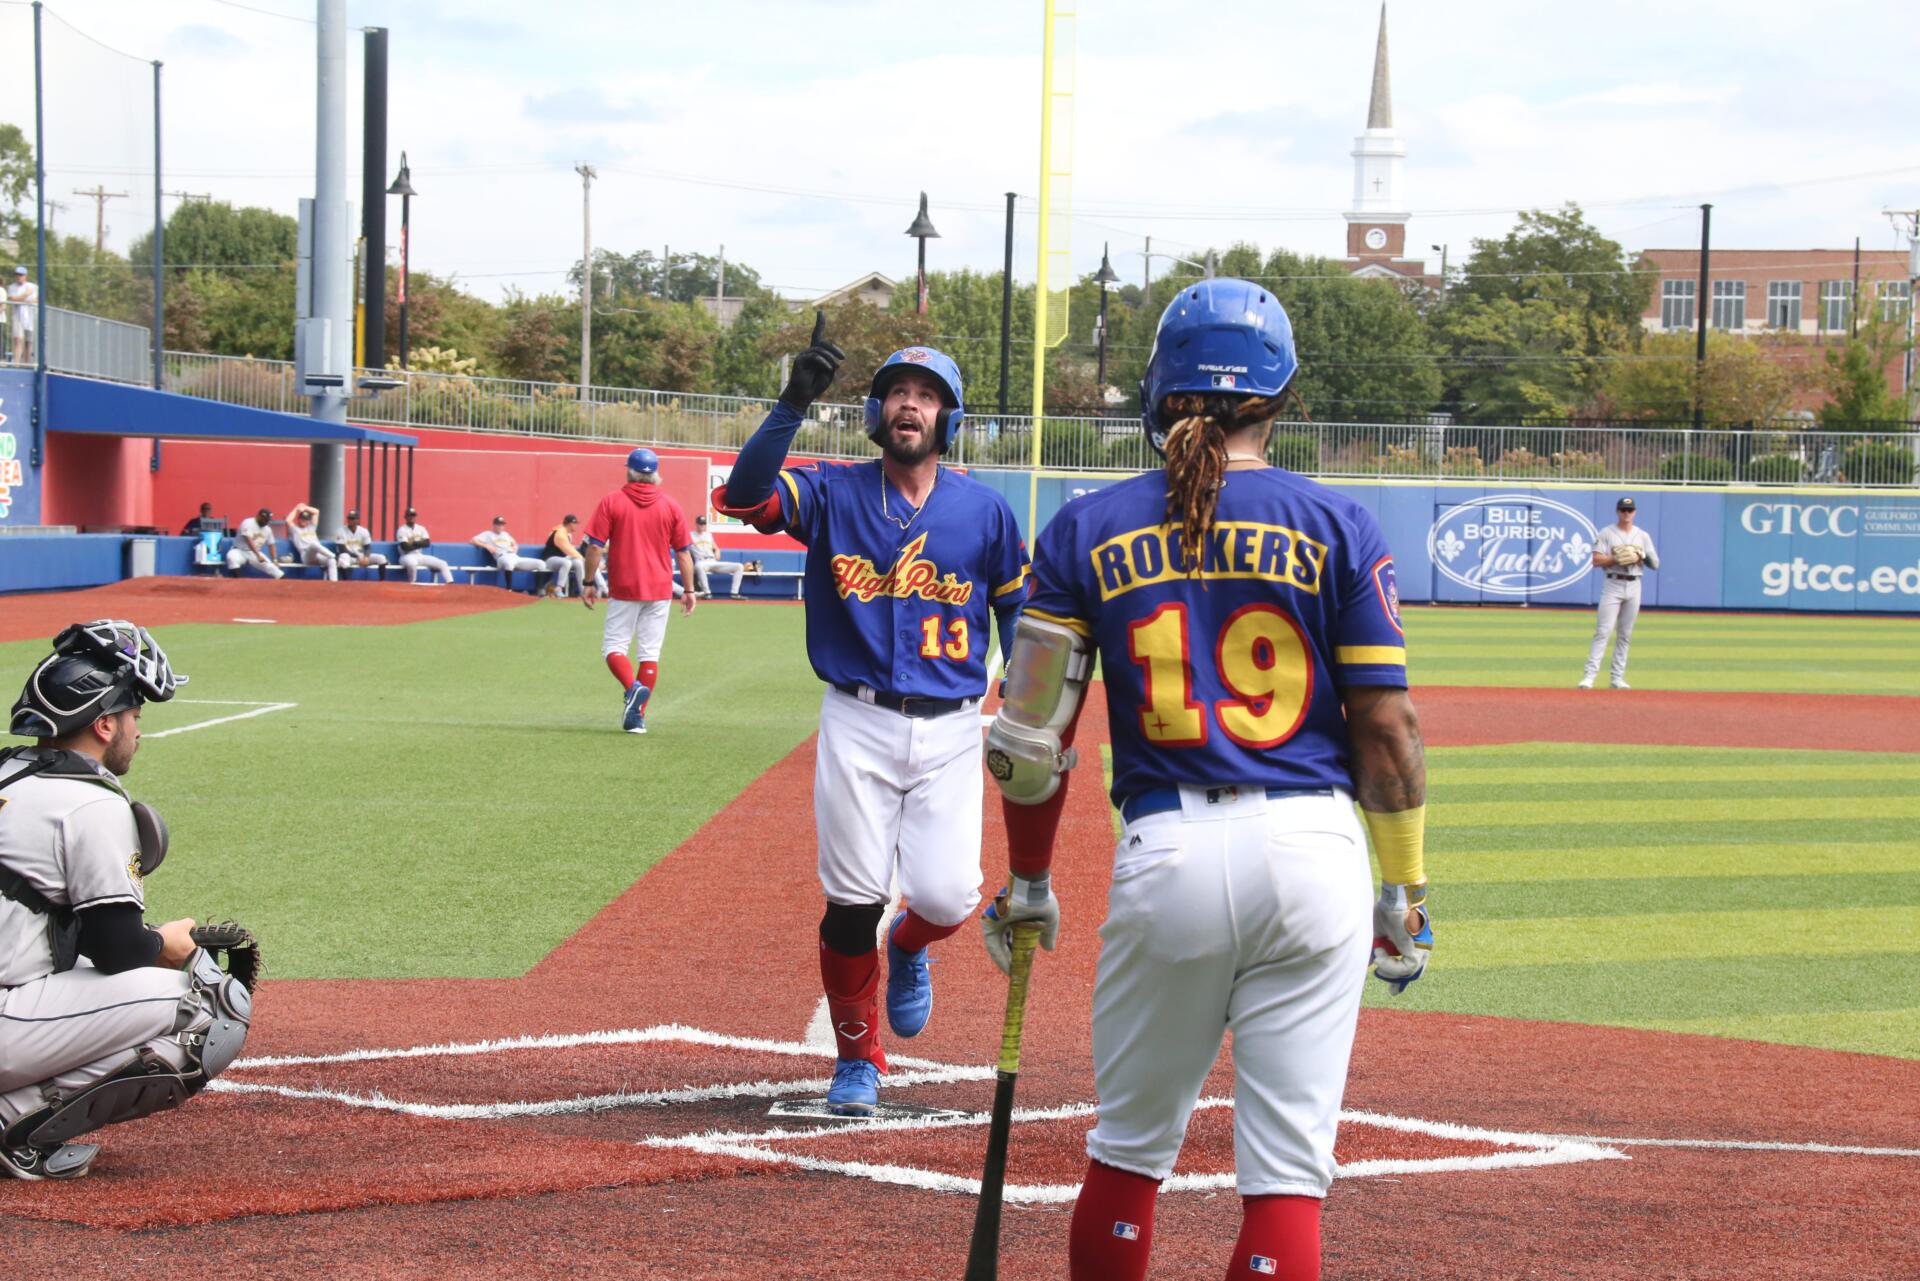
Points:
x=1026, y=937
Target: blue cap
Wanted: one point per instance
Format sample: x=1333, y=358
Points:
x=643, y=459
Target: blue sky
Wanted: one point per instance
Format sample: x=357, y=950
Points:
x=799, y=132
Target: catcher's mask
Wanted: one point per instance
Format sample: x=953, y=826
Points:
x=96, y=669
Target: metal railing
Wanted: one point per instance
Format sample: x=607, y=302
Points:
x=1784, y=453
x=93, y=347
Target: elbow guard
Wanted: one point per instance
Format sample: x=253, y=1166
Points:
x=1046, y=679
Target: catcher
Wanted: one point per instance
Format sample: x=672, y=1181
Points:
x=103, y=1018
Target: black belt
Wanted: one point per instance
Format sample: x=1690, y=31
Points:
x=913, y=705
x=1159, y=800
x=1625, y=578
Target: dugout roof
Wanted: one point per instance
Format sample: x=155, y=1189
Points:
x=91, y=407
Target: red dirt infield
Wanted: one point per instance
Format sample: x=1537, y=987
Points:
x=653, y=1155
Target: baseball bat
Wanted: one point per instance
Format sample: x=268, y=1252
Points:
x=983, y=1252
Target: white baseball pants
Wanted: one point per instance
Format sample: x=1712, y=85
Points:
x=66, y=1031
x=561, y=567
x=1250, y=916
x=243, y=558
x=892, y=790
x=637, y=624
x=317, y=554
x=417, y=561
x=1619, y=607
x=350, y=562
x=703, y=568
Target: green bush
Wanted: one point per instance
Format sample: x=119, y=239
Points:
x=1520, y=462
x=1776, y=469
x=1877, y=462
x=1575, y=464
x=1402, y=461
x=1295, y=451
x=1695, y=467
x=1131, y=453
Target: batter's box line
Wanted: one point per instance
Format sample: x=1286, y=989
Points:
x=259, y=709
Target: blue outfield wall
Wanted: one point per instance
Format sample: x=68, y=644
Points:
x=1824, y=550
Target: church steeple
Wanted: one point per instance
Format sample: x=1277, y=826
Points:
x=1376, y=227
x=1380, y=106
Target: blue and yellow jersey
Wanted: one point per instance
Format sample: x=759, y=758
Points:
x=897, y=600
x=1231, y=675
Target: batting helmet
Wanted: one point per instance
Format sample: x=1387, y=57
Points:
x=935, y=363
x=96, y=669
x=1222, y=337
x=643, y=459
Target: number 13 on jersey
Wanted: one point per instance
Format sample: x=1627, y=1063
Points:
x=954, y=645
x=1263, y=661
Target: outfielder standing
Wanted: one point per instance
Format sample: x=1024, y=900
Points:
x=907, y=564
x=645, y=527
x=1624, y=553
x=1248, y=628
x=102, y=1017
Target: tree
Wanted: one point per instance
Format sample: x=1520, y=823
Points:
x=867, y=334
x=656, y=344
x=1856, y=379
x=1744, y=380
x=16, y=178
x=963, y=311
x=1513, y=358
x=739, y=366
x=440, y=314
x=533, y=338
x=622, y=278
x=230, y=279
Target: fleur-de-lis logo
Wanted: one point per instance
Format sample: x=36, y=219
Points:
x=1577, y=548
x=1451, y=545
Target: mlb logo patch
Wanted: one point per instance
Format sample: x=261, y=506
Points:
x=1224, y=382
x=1131, y=1232
x=918, y=355
x=1262, y=1264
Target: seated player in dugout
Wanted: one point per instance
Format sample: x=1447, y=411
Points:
x=103, y=1018
x=908, y=565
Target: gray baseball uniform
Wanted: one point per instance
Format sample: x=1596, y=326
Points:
x=1619, y=600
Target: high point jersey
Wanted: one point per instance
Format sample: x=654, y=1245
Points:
x=74, y=840
x=901, y=602
x=1232, y=676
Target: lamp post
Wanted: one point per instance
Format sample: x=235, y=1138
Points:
x=403, y=188
x=922, y=231
x=1107, y=278
x=1442, y=251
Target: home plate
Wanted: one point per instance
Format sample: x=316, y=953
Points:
x=817, y=1110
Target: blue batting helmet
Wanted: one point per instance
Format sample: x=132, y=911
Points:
x=944, y=371
x=643, y=459
x=1220, y=336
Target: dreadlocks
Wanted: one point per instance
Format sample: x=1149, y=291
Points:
x=1197, y=457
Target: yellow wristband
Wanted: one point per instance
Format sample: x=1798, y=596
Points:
x=1400, y=843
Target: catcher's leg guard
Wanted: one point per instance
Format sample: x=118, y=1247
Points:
x=208, y=1031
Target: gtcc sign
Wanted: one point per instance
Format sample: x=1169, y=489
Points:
x=1512, y=544
x=1815, y=520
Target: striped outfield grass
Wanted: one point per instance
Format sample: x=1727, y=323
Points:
x=1750, y=893
x=1503, y=645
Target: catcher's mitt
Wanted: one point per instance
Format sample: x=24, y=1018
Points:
x=1626, y=554
x=234, y=944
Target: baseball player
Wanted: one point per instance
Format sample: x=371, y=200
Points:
x=413, y=540
x=1624, y=553
x=1247, y=625
x=356, y=546
x=303, y=531
x=645, y=528
x=707, y=562
x=505, y=550
x=102, y=1017
x=563, y=555
x=907, y=565
x=253, y=546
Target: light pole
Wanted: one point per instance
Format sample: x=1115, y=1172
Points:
x=403, y=188
x=922, y=231
x=1107, y=278
x=1210, y=266
x=1442, y=251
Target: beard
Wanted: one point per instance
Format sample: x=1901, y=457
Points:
x=907, y=451
x=118, y=758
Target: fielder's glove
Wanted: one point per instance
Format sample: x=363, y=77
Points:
x=1021, y=901
x=234, y=944
x=1626, y=554
x=813, y=369
x=1400, y=957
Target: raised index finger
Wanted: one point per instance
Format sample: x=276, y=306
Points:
x=819, y=327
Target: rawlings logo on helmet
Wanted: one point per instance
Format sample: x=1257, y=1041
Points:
x=1224, y=336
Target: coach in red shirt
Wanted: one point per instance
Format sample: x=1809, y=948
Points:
x=645, y=530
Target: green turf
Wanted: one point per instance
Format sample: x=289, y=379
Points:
x=1470, y=645
x=451, y=797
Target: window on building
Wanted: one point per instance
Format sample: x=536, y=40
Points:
x=1783, y=304
x=1676, y=304
x=1729, y=304
x=1836, y=305
x=1896, y=299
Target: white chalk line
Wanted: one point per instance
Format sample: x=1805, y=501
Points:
x=1526, y=1149
x=259, y=709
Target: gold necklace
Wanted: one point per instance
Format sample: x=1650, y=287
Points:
x=903, y=524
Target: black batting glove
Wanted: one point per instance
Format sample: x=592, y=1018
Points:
x=813, y=369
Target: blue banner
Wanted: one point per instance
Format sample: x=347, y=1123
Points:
x=1822, y=552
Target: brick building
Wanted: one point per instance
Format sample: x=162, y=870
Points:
x=1377, y=223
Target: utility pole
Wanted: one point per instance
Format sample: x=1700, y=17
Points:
x=188, y=197
x=99, y=195
x=1006, y=310
x=1700, y=321
x=587, y=175
x=1146, y=274
x=720, y=280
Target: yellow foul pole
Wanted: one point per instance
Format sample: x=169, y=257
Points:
x=1053, y=249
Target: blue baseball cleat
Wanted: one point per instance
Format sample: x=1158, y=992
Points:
x=909, y=986
x=635, y=720
x=856, y=1088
